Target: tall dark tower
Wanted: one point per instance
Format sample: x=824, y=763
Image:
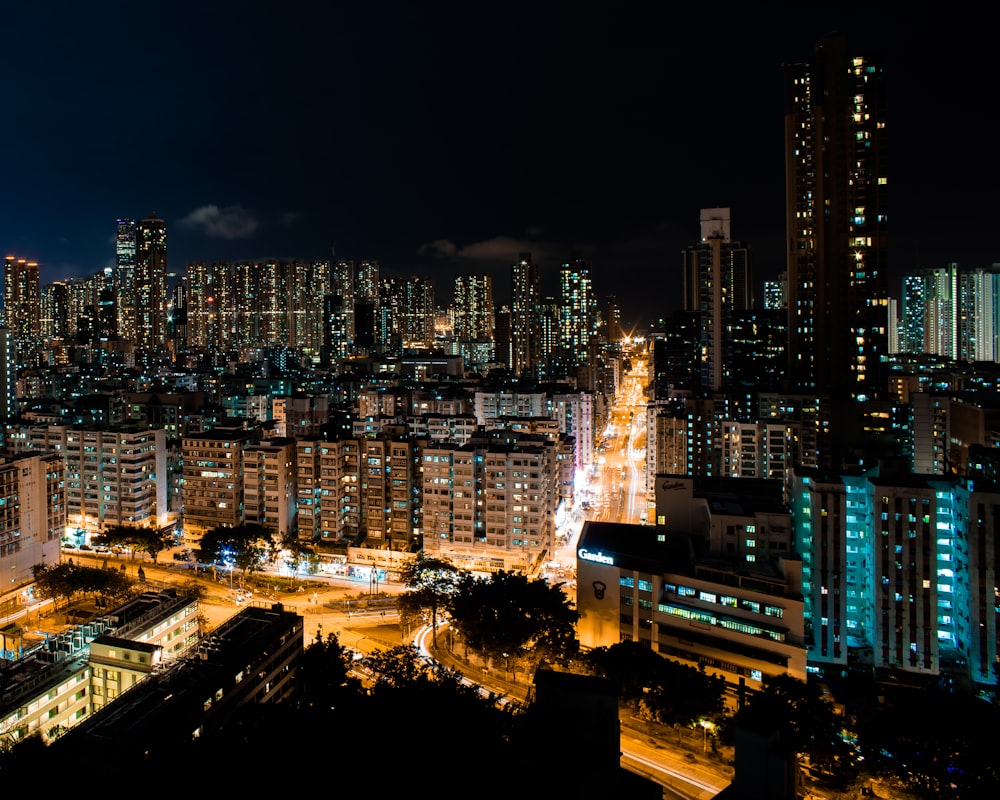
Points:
x=837, y=229
x=151, y=284
x=525, y=302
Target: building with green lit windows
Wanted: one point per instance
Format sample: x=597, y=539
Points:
x=898, y=572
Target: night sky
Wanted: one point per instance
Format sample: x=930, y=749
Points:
x=445, y=138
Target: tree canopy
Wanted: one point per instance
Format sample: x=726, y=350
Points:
x=65, y=581
x=135, y=537
x=657, y=687
x=509, y=615
x=245, y=547
x=798, y=714
x=431, y=583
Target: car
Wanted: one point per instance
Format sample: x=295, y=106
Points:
x=102, y=548
x=85, y=547
x=182, y=555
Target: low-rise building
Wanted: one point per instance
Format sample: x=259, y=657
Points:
x=742, y=621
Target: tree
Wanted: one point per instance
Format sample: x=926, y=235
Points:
x=430, y=583
x=295, y=552
x=933, y=747
x=325, y=674
x=659, y=688
x=243, y=546
x=144, y=539
x=509, y=616
x=68, y=580
x=798, y=714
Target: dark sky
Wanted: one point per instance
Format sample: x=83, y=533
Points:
x=445, y=138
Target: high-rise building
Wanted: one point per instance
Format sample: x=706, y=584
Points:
x=22, y=308
x=578, y=317
x=32, y=514
x=8, y=376
x=525, y=288
x=338, y=311
x=717, y=283
x=613, y=320
x=979, y=320
x=125, y=254
x=836, y=228
x=150, y=292
x=775, y=293
x=473, y=308
x=951, y=312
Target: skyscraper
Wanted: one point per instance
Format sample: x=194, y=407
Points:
x=150, y=293
x=717, y=282
x=837, y=227
x=578, y=318
x=125, y=278
x=525, y=301
x=22, y=308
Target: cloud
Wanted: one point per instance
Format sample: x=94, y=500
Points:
x=288, y=218
x=231, y=222
x=507, y=249
x=439, y=248
x=499, y=250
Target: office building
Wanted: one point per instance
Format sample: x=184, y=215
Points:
x=739, y=620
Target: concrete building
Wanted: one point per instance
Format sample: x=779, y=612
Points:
x=269, y=485
x=115, y=476
x=490, y=504
x=32, y=514
x=213, y=481
x=740, y=621
x=64, y=680
x=898, y=572
x=252, y=658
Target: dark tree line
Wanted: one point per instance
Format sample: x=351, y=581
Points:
x=67, y=581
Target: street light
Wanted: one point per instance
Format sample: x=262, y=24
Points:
x=705, y=725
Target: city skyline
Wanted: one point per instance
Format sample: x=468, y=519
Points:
x=442, y=143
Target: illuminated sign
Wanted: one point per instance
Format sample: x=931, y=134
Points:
x=597, y=557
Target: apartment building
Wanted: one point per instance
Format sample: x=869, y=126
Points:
x=490, y=504
x=898, y=572
x=269, y=484
x=115, y=476
x=213, y=481
x=32, y=514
